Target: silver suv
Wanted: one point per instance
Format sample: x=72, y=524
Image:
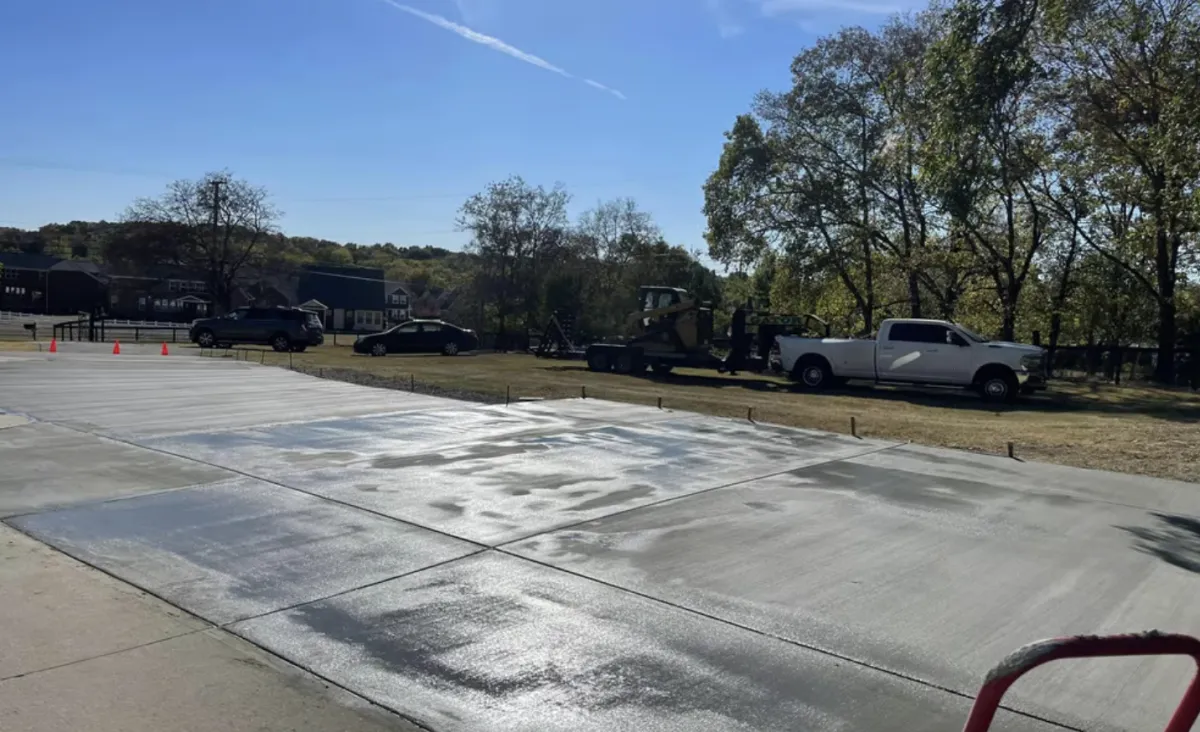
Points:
x=284, y=329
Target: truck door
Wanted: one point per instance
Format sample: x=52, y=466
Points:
x=912, y=352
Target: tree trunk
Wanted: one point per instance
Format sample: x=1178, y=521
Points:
x=1052, y=345
x=914, y=294
x=1164, y=369
x=1008, y=328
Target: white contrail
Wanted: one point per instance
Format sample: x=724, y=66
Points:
x=496, y=45
x=603, y=88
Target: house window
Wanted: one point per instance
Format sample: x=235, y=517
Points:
x=14, y=290
x=142, y=303
x=114, y=298
x=174, y=285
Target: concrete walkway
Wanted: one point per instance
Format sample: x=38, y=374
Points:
x=82, y=651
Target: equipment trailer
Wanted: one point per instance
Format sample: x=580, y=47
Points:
x=674, y=329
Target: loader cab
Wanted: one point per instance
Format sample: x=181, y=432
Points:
x=656, y=298
x=673, y=320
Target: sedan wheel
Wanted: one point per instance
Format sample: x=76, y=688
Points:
x=450, y=349
x=379, y=349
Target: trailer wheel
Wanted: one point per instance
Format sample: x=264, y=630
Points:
x=627, y=362
x=813, y=372
x=598, y=361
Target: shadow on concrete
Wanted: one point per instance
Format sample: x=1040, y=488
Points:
x=1174, y=539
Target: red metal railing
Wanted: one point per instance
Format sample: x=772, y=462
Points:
x=1023, y=660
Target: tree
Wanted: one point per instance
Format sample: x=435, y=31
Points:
x=986, y=149
x=516, y=232
x=215, y=225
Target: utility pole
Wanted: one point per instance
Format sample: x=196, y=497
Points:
x=216, y=219
x=216, y=206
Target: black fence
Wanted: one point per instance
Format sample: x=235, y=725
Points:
x=102, y=331
x=1118, y=364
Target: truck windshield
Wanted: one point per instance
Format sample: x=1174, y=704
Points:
x=972, y=335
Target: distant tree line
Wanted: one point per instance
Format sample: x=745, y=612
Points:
x=532, y=260
x=1018, y=165
x=526, y=259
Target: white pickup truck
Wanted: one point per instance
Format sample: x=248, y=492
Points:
x=934, y=352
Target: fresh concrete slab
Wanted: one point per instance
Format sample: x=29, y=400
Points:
x=279, y=450
x=1096, y=485
x=46, y=465
x=497, y=643
x=500, y=488
x=202, y=682
x=55, y=611
x=930, y=576
x=240, y=548
x=137, y=396
x=675, y=571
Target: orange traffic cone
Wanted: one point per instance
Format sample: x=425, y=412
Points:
x=53, y=345
x=164, y=350
x=116, y=348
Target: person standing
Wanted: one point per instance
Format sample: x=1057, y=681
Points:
x=738, y=345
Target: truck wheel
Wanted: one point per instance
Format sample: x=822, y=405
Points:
x=598, y=361
x=206, y=339
x=627, y=363
x=813, y=373
x=998, y=386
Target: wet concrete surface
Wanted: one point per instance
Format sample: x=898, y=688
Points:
x=44, y=465
x=240, y=548
x=917, y=572
x=493, y=475
x=651, y=569
x=534, y=649
x=135, y=396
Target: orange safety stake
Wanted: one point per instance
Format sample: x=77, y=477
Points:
x=53, y=345
x=116, y=348
x=164, y=349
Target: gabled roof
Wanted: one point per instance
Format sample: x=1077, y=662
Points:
x=23, y=260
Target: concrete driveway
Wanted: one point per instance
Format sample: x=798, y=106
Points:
x=583, y=565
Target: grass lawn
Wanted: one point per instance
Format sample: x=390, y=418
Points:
x=1133, y=429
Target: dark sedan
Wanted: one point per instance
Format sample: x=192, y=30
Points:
x=419, y=336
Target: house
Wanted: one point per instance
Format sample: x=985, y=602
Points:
x=159, y=293
x=397, y=303
x=40, y=283
x=354, y=296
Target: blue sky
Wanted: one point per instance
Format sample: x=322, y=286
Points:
x=370, y=121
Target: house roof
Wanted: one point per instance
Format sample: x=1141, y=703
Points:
x=81, y=265
x=348, y=288
x=313, y=305
x=23, y=260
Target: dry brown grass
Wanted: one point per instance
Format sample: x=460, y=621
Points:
x=1132, y=429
